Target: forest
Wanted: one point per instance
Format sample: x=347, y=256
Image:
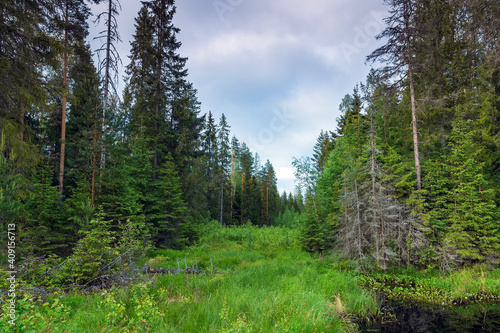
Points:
x=101, y=189
x=411, y=173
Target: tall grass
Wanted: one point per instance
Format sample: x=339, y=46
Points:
x=266, y=284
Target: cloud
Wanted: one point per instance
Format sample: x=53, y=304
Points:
x=239, y=45
x=254, y=60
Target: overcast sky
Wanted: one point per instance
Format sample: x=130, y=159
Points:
x=277, y=69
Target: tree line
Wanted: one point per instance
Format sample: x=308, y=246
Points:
x=84, y=170
x=411, y=173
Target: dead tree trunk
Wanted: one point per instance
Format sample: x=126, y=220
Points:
x=64, y=105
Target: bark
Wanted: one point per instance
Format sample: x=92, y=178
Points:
x=94, y=163
x=267, y=203
x=415, y=128
x=106, y=81
x=242, y=192
x=64, y=105
x=232, y=182
x=221, y=213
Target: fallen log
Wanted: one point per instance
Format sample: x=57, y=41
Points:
x=173, y=271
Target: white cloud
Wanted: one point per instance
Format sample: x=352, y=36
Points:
x=237, y=46
x=263, y=57
x=285, y=172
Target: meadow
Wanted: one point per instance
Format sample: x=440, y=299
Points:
x=264, y=283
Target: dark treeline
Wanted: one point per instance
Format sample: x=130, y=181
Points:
x=412, y=172
x=84, y=172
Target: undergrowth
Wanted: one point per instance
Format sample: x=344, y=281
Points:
x=468, y=285
x=264, y=283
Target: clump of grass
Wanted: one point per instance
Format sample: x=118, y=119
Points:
x=267, y=284
x=468, y=285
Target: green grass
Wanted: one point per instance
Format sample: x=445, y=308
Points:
x=267, y=284
x=467, y=285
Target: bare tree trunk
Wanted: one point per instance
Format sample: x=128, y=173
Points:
x=345, y=201
x=261, y=206
x=415, y=129
x=358, y=220
x=106, y=82
x=267, y=202
x=158, y=95
x=372, y=171
x=242, y=191
x=372, y=144
x=221, y=218
x=94, y=162
x=64, y=104
x=232, y=184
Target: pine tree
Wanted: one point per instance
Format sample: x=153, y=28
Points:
x=473, y=224
x=162, y=104
x=312, y=236
x=210, y=159
x=224, y=160
x=169, y=214
x=321, y=151
x=234, y=151
x=140, y=88
x=399, y=54
x=82, y=126
x=72, y=22
x=26, y=48
x=272, y=202
x=246, y=162
x=109, y=64
x=126, y=189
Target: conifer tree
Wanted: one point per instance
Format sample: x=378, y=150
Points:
x=26, y=48
x=156, y=73
x=473, y=215
x=321, y=151
x=210, y=166
x=399, y=55
x=126, y=187
x=246, y=162
x=224, y=160
x=82, y=124
x=312, y=236
x=272, y=202
x=169, y=214
x=109, y=64
x=72, y=21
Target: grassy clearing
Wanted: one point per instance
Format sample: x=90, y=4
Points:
x=267, y=284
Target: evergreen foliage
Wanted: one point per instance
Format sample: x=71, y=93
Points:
x=410, y=175
x=440, y=69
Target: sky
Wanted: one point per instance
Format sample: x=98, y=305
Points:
x=277, y=69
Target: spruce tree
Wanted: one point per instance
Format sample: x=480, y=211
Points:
x=399, y=55
x=71, y=19
x=82, y=126
x=169, y=213
x=473, y=224
x=312, y=234
x=210, y=161
x=321, y=151
x=224, y=162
